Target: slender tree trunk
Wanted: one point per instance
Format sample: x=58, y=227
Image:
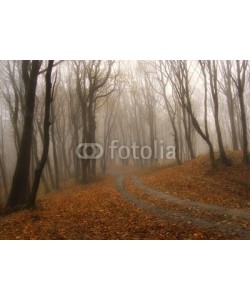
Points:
x=211, y=149
x=85, y=173
x=230, y=103
x=54, y=150
x=214, y=90
x=39, y=169
x=187, y=134
x=48, y=164
x=176, y=139
x=75, y=158
x=3, y=172
x=177, y=147
x=244, y=130
x=52, y=180
x=240, y=86
x=36, y=160
x=223, y=156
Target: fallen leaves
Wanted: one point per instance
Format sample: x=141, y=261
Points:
x=225, y=186
x=96, y=211
x=185, y=216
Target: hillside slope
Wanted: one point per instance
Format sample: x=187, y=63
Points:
x=195, y=180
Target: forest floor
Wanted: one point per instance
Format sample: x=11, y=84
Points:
x=190, y=201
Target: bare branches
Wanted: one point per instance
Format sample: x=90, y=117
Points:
x=54, y=65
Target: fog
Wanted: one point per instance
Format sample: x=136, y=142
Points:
x=129, y=113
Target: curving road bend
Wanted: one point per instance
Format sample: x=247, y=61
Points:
x=230, y=228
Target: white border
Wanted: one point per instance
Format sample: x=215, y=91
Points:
x=132, y=29
x=124, y=30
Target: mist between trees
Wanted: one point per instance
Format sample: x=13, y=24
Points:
x=48, y=108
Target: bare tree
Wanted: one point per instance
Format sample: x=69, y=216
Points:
x=181, y=87
x=93, y=82
x=227, y=89
x=47, y=122
x=12, y=93
x=240, y=81
x=171, y=106
x=20, y=184
x=213, y=79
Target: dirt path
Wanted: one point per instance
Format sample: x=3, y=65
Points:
x=226, y=228
x=219, y=210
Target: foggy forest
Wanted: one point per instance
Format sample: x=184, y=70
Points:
x=109, y=149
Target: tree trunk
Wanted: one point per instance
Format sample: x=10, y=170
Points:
x=52, y=180
x=230, y=103
x=2, y=169
x=240, y=86
x=36, y=160
x=54, y=151
x=39, y=169
x=20, y=184
x=48, y=164
x=213, y=84
x=187, y=134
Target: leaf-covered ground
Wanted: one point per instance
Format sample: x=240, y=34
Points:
x=96, y=211
x=213, y=222
x=100, y=211
x=225, y=186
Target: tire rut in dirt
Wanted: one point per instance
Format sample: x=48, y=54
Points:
x=219, y=210
x=181, y=217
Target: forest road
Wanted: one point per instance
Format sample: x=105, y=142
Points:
x=229, y=222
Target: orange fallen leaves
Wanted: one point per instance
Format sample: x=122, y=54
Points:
x=96, y=211
x=225, y=186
